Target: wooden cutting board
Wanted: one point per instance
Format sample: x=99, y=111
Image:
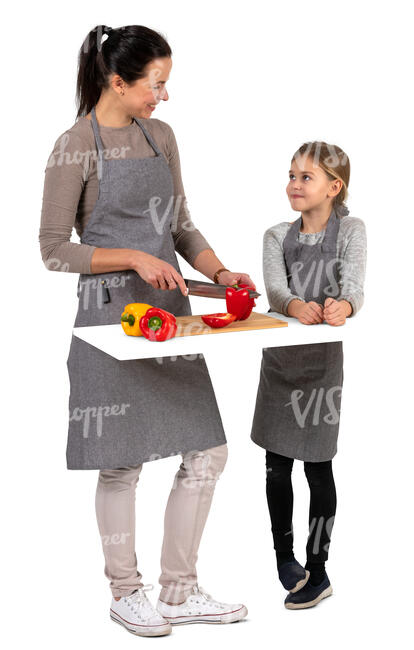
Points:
x=193, y=325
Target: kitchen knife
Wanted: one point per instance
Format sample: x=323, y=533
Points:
x=211, y=290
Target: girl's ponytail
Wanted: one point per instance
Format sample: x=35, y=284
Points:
x=125, y=51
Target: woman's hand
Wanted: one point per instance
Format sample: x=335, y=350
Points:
x=229, y=278
x=308, y=313
x=158, y=273
x=335, y=313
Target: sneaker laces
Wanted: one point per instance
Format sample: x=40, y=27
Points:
x=198, y=590
x=138, y=599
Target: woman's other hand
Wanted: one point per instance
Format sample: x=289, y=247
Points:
x=229, y=278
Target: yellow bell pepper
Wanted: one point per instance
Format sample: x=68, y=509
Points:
x=131, y=317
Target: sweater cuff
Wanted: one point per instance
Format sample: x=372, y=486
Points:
x=288, y=301
x=195, y=251
x=352, y=302
x=89, y=259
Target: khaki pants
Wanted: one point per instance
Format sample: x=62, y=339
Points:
x=185, y=517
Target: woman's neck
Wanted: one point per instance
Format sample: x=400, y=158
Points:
x=315, y=220
x=110, y=113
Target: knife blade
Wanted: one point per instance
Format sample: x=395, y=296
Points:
x=210, y=289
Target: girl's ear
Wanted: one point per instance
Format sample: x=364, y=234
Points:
x=335, y=187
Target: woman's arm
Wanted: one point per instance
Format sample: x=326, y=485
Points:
x=188, y=240
x=63, y=185
x=65, y=177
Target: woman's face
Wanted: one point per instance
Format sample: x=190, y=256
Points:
x=309, y=186
x=142, y=96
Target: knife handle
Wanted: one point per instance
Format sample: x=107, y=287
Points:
x=105, y=290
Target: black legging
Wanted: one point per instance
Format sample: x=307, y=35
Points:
x=321, y=512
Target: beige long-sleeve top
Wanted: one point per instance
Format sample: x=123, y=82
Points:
x=71, y=190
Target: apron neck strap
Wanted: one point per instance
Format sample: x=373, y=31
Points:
x=331, y=230
x=149, y=138
x=99, y=141
x=96, y=131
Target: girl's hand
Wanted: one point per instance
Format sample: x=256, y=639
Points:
x=158, y=273
x=229, y=278
x=309, y=313
x=335, y=313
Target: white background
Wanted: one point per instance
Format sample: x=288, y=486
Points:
x=250, y=82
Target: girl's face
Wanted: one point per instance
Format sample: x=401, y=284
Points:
x=142, y=96
x=309, y=187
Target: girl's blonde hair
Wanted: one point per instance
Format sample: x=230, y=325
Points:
x=334, y=162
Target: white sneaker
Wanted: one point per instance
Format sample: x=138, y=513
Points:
x=201, y=608
x=137, y=614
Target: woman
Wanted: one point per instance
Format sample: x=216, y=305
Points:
x=115, y=175
x=314, y=270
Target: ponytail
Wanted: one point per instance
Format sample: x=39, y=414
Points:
x=125, y=51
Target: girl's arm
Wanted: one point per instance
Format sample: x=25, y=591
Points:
x=274, y=272
x=353, y=266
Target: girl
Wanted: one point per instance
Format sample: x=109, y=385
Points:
x=115, y=175
x=314, y=270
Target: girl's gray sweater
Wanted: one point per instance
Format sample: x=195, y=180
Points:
x=351, y=250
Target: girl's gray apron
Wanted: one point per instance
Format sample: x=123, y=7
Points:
x=299, y=393
x=124, y=413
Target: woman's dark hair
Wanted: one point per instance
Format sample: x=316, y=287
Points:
x=126, y=51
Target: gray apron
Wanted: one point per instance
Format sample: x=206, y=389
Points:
x=124, y=413
x=299, y=394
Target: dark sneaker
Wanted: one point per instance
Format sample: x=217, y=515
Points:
x=309, y=595
x=293, y=576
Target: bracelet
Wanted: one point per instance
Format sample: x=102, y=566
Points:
x=217, y=274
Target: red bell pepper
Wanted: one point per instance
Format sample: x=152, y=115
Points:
x=158, y=324
x=218, y=319
x=238, y=301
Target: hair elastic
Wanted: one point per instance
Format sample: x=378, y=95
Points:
x=105, y=35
